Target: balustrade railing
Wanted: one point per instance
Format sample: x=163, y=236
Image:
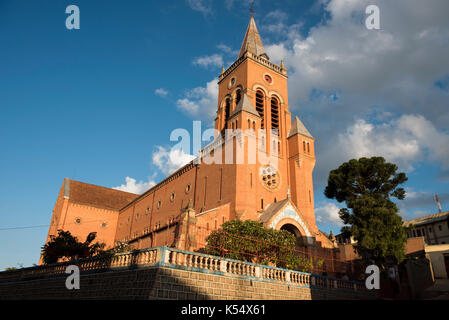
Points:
x=171, y=257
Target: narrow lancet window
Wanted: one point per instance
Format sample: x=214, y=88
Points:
x=260, y=106
x=275, y=115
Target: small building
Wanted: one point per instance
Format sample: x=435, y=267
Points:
x=433, y=228
x=439, y=256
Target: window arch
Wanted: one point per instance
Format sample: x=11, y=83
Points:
x=238, y=96
x=275, y=114
x=260, y=106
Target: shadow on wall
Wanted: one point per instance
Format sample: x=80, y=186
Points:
x=167, y=273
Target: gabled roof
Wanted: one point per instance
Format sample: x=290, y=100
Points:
x=428, y=219
x=298, y=128
x=252, y=41
x=272, y=209
x=244, y=105
x=96, y=196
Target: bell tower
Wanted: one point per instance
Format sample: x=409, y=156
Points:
x=253, y=94
x=264, y=83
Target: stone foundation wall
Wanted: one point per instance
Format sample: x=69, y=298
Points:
x=159, y=280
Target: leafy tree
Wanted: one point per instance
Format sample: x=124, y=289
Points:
x=250, y=241
x=367, y=186
x=65, y=245
x=120, y=247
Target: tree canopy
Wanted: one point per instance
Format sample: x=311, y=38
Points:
x=367, y=186
x=250, y=241
x=65, y=245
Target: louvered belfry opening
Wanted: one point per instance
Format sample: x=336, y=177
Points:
x=227, y=111
x=275, y=115
x=260, y=106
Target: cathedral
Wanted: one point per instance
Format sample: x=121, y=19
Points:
x=199, y=197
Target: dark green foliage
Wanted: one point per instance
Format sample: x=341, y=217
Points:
x=250, y=241
x=367, y=185
x=11, y=269
x=66, y=246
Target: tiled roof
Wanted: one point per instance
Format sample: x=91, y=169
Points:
x=272, y=209
x=428, y=219
x=96, y=196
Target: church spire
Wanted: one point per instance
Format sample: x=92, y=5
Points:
x=252, y=41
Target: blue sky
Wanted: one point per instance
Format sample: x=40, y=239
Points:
x=98, y=104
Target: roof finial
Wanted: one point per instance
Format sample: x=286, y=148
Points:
x=251, y=8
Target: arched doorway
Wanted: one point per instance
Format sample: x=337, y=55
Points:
x=294, y=231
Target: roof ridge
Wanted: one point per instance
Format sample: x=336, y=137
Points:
x=103, y=187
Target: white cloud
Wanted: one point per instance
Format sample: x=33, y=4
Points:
x=214, y=60
x=161, y=92
x=327, y=212
x=421, y=199
x=363, y=78
x=202, y=6
x=135, y=187
x=201, y=101
x=405, y=141
x=168, y=161
x=228, y=50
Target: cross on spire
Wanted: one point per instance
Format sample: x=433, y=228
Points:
x=251, y=8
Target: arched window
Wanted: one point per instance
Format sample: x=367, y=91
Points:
x=249, y=124
x=308, y=147
x=227, y=111
x=304, y=146
x=260, y=106
x=275, y=114
x=238, y=96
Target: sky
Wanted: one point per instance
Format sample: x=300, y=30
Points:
x=98, y=104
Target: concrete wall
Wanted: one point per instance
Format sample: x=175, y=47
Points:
x=436, y=254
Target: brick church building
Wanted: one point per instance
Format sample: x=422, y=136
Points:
x=253, y=97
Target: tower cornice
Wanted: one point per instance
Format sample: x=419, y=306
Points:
x=258, y=59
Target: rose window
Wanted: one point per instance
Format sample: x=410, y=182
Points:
x=270, y=177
